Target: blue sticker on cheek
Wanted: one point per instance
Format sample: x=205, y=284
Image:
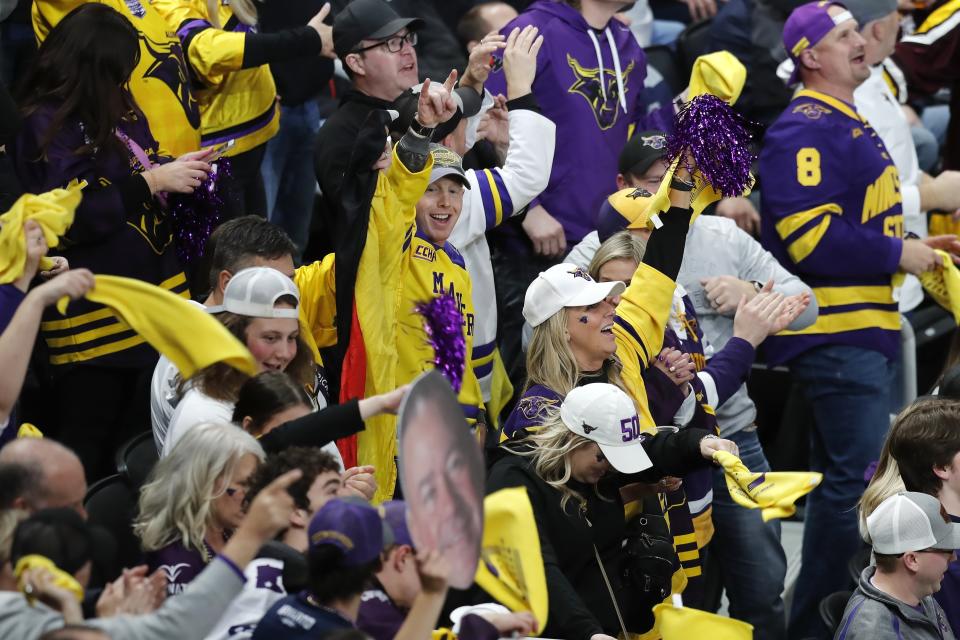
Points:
x=583, y=319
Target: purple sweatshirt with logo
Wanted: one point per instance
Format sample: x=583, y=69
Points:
x=577, y=87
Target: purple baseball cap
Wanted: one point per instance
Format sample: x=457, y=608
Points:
x=806, y=26
x=395, y=514
x=354, y=527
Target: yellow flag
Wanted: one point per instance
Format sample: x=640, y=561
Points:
x=28, y=430
x=774, y=492
x=943, y=285
x=61, y=578
x=719, y=74
x=190, y=337
x=511, y=567
x=52, y=210
x=684, y=623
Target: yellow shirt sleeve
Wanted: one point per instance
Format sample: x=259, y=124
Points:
x=641, y=321
x=318, y=299
x=212, y=53
x=45, y=15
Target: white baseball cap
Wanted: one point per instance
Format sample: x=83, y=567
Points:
x=605, y=414
x=911, y=521
x=253, y=292
x=564, y=285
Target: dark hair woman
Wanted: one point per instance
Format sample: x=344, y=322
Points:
x=82, y=124
x=273, y=408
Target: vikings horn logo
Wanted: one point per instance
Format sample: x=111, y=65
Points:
x=167, y=66
x=587, y=84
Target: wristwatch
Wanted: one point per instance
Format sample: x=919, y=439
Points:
x=757, y=285
x=680, y=185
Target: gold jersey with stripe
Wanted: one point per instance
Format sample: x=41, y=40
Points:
x=160, y=83
x=432, y=271
x=235, y=103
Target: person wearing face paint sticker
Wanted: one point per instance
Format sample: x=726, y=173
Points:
x=586, y=449
x=585, y=331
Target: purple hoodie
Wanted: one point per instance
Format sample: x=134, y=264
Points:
x=593, y=121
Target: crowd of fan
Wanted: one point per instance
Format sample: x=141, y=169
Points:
x=365, y=158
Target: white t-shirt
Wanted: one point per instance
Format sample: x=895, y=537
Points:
x=194, y=408
x=164, y=396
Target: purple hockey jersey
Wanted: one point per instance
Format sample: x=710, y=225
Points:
x=589, y=83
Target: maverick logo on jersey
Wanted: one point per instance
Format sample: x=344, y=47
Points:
x=604, y=99
x=168, y=66
x=439, y=289
x=654, y=142
x=811, y=110
x=639, y=192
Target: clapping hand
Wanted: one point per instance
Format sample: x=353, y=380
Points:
x=520, y=60
x=479, y=63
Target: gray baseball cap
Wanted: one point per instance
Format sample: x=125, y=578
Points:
x=911, y=521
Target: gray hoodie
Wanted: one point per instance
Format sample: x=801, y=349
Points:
x=188, y=616
x=871, y=614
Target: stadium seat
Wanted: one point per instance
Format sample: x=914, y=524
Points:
x=665, y=60
x=858, y=563
x=135, y=459
x=831, y=609
x=693, y=42
x=112, y=504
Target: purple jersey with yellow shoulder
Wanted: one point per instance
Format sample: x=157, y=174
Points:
x=831, y=210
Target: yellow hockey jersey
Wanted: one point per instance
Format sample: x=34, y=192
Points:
x=431, y=271
x=377, y=294
x=159, y=84
x=235, y=103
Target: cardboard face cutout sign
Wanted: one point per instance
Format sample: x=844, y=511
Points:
x=442, y=476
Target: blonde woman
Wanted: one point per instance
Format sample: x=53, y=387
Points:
x=588, y=447
x=231, y=81
x=684, y=388
x=588, y=331
x=194, y=500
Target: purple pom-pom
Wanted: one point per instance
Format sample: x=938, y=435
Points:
x=194, y=216
x=719, y=140
x=443, y=323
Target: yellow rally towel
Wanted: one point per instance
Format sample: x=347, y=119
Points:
x=773, y=492
x=61, y=578
x=190, y=337
x=719, y=74
x=511, y=567
x=52, y=210
x=684, y=623
x=27, y=430
x=943, y=285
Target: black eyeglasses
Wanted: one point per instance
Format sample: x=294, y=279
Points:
x=393, y=44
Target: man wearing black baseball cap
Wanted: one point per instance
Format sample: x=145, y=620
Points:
x=376, y=47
